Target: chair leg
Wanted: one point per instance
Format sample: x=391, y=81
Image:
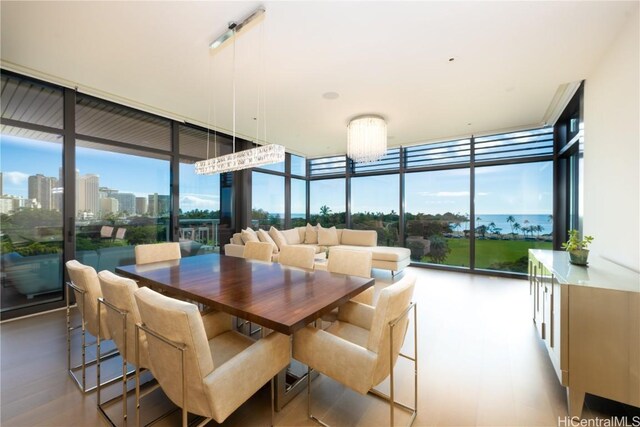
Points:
x=309, y=414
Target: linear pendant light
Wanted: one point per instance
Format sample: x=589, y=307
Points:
x=246, y=159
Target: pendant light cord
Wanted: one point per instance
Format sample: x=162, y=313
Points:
x=233, y=72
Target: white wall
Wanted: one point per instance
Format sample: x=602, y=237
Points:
x=612, y=150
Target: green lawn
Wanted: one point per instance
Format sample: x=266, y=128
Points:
x=490, y=252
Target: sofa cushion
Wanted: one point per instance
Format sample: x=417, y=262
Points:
x=328, y=236
x=278, y=237
x=301, y=233
x=291, y=236
x=236, y=239
x=382, y=253
x=359, y=237
x=263, y=236
x=317, y=248
x=311, y=234
x=249, y=235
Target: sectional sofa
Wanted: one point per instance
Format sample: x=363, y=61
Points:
x=383, y=257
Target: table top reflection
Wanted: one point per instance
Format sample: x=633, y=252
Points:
x=281, y=298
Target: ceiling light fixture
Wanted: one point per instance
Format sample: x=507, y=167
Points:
x=366, y=138
x=246, y=159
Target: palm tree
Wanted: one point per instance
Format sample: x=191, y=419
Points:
x=539, y=229
x=324, y=210
x=511, y=220
x=492, y=227
x=516, y=226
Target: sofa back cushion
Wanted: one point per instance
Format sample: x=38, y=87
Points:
x=328, y=236
x=311, y=234
x=292, y=236
x=278, y=237
x=301, y=233
x=236, y=239
x=263, y=236
x=359, y=237
x=248, y=235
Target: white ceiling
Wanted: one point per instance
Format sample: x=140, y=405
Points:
x=389, y=58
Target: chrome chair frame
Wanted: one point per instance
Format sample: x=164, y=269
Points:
x=126, y=375
x=391, y=397
x=82, y=383
x=183, y=368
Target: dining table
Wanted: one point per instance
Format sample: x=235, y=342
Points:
x=284, y=299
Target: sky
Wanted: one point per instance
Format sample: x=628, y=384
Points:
x=510, y=189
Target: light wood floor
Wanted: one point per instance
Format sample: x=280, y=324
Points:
x=480, y=363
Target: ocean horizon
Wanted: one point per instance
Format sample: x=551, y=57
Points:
x=500, y=221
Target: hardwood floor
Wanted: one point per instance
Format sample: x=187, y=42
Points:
x=480, y=363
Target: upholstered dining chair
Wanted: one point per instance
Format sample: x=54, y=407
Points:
x=122, y=315
x=157, y=252
x=204, y=371
x=361, y=348
x=297, y=256
x=260, y=251
x=353, y=263
x=86, y=288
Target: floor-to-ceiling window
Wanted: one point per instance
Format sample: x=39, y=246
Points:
x=87, y=179
x=437, y=216
x=122, y=181
x=267, y=201
x=31, y=194
x=327, y=205
x=514, y=213
x=201, y=196
x=375, y=206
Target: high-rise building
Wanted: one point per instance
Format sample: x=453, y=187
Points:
x=40, y=187
x=127, y=202
x=158, y=205
x=141, y=205
x=108, y=205
x=87, y=190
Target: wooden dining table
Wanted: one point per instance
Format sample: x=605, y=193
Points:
x=281, y=298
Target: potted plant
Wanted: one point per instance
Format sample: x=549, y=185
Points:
x=577, y=248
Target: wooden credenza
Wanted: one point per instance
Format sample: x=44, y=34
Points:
x=589, y=320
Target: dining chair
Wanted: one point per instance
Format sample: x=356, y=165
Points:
x=361, y=348
x=205, y=370
x=122, y=314
x=157, y=252
x=260, y=251
x=85, y=285
x=352, y=263
x=297, y=256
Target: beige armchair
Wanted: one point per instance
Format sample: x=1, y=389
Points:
x=260, y=251
x=297, y=256
x=353, y=263
x=157, y=252
x=122, y=315
x=362, y=347
x=204, y=370
x=86, y=288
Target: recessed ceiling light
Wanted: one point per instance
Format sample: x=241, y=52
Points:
x=331, y=95
x=468, y=124
x=452, y=59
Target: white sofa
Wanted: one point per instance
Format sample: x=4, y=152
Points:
x=384, y=257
